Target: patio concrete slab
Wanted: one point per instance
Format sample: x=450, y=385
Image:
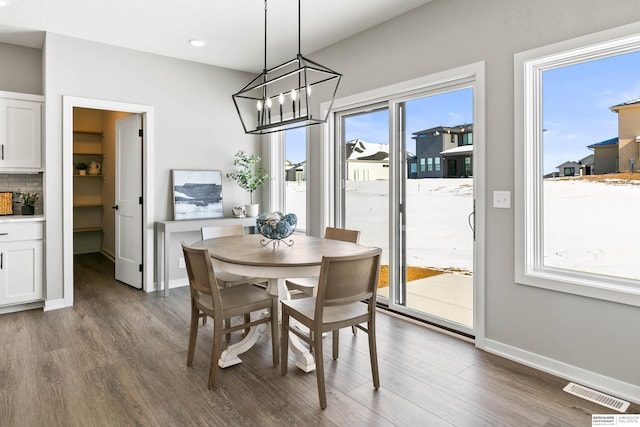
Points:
x=447, y=295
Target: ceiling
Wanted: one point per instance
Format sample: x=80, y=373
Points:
x=232, y=29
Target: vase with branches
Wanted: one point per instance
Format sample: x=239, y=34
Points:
x=249, y=174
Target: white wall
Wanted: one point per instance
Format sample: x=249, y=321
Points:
x=20, y=69
x=196, y=125
x=592, y=340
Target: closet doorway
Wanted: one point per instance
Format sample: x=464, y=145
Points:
x=109, y=208
x=107, y=189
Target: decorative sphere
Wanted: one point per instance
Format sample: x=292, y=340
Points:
x=276, y=225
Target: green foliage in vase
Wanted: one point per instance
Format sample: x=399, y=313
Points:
x=29, y=199
x=249, y=173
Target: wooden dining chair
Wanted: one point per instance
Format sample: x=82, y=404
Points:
x=208, y=299
x=302, y=287
x=344, y=282
x=307, y=286
x=224, y=278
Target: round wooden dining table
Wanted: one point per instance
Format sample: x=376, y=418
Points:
x=252, y=255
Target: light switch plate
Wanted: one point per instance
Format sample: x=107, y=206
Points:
x=502, y=199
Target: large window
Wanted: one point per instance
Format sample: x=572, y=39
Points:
x=579, y=103
x=295, y=167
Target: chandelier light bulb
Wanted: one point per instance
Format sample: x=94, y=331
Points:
x=259, y=107
x=293, y=102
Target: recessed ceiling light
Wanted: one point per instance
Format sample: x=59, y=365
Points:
x=192, y=42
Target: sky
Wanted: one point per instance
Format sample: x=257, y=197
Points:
x=576, y=105
x=576, y=111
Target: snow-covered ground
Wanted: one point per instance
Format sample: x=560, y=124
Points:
x=592, y=226
x=438, y=233
x=589, y=226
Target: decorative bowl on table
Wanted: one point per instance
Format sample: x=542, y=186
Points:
x=276, y=227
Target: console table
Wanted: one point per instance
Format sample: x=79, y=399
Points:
x=163, y=240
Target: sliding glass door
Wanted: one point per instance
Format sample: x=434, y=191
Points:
x=406, y=181
x=364, y=154
x=436, y=220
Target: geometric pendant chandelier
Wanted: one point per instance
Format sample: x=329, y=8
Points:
x=288, y=96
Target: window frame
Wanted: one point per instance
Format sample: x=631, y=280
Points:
x=528, y=69
x=277, y=192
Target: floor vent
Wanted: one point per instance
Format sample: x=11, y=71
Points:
x=597, y=397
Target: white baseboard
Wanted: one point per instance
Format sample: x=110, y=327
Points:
x=109, y=255
x=175, y=283
x=612, y=386
x=55, y=304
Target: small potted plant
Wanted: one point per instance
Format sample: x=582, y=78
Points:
x=28, y=201
x=249, y=175
x=82, y=168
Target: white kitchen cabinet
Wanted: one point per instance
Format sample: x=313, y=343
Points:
x=20, y=132
x=21, y=263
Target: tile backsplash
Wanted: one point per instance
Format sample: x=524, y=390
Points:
x=22, y=182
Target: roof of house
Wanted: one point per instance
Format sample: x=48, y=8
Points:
x=568, y=162
x=612, y=141
x=458, y=151
x=588, y=160
x=467, y=127
x=358, y=149
x=626, y=104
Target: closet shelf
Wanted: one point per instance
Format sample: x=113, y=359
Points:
x=87, y=229
x=88, y=205
x=88, y=132
x=84, y=153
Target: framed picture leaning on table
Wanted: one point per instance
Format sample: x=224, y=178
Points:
x=197, y=194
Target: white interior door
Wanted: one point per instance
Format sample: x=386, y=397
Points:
x=128, y=208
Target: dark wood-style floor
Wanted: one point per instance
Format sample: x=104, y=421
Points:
x=118, y=358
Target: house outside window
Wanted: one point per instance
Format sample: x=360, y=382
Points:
x=422, y=165
x=430, y=164
x=437, y=164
